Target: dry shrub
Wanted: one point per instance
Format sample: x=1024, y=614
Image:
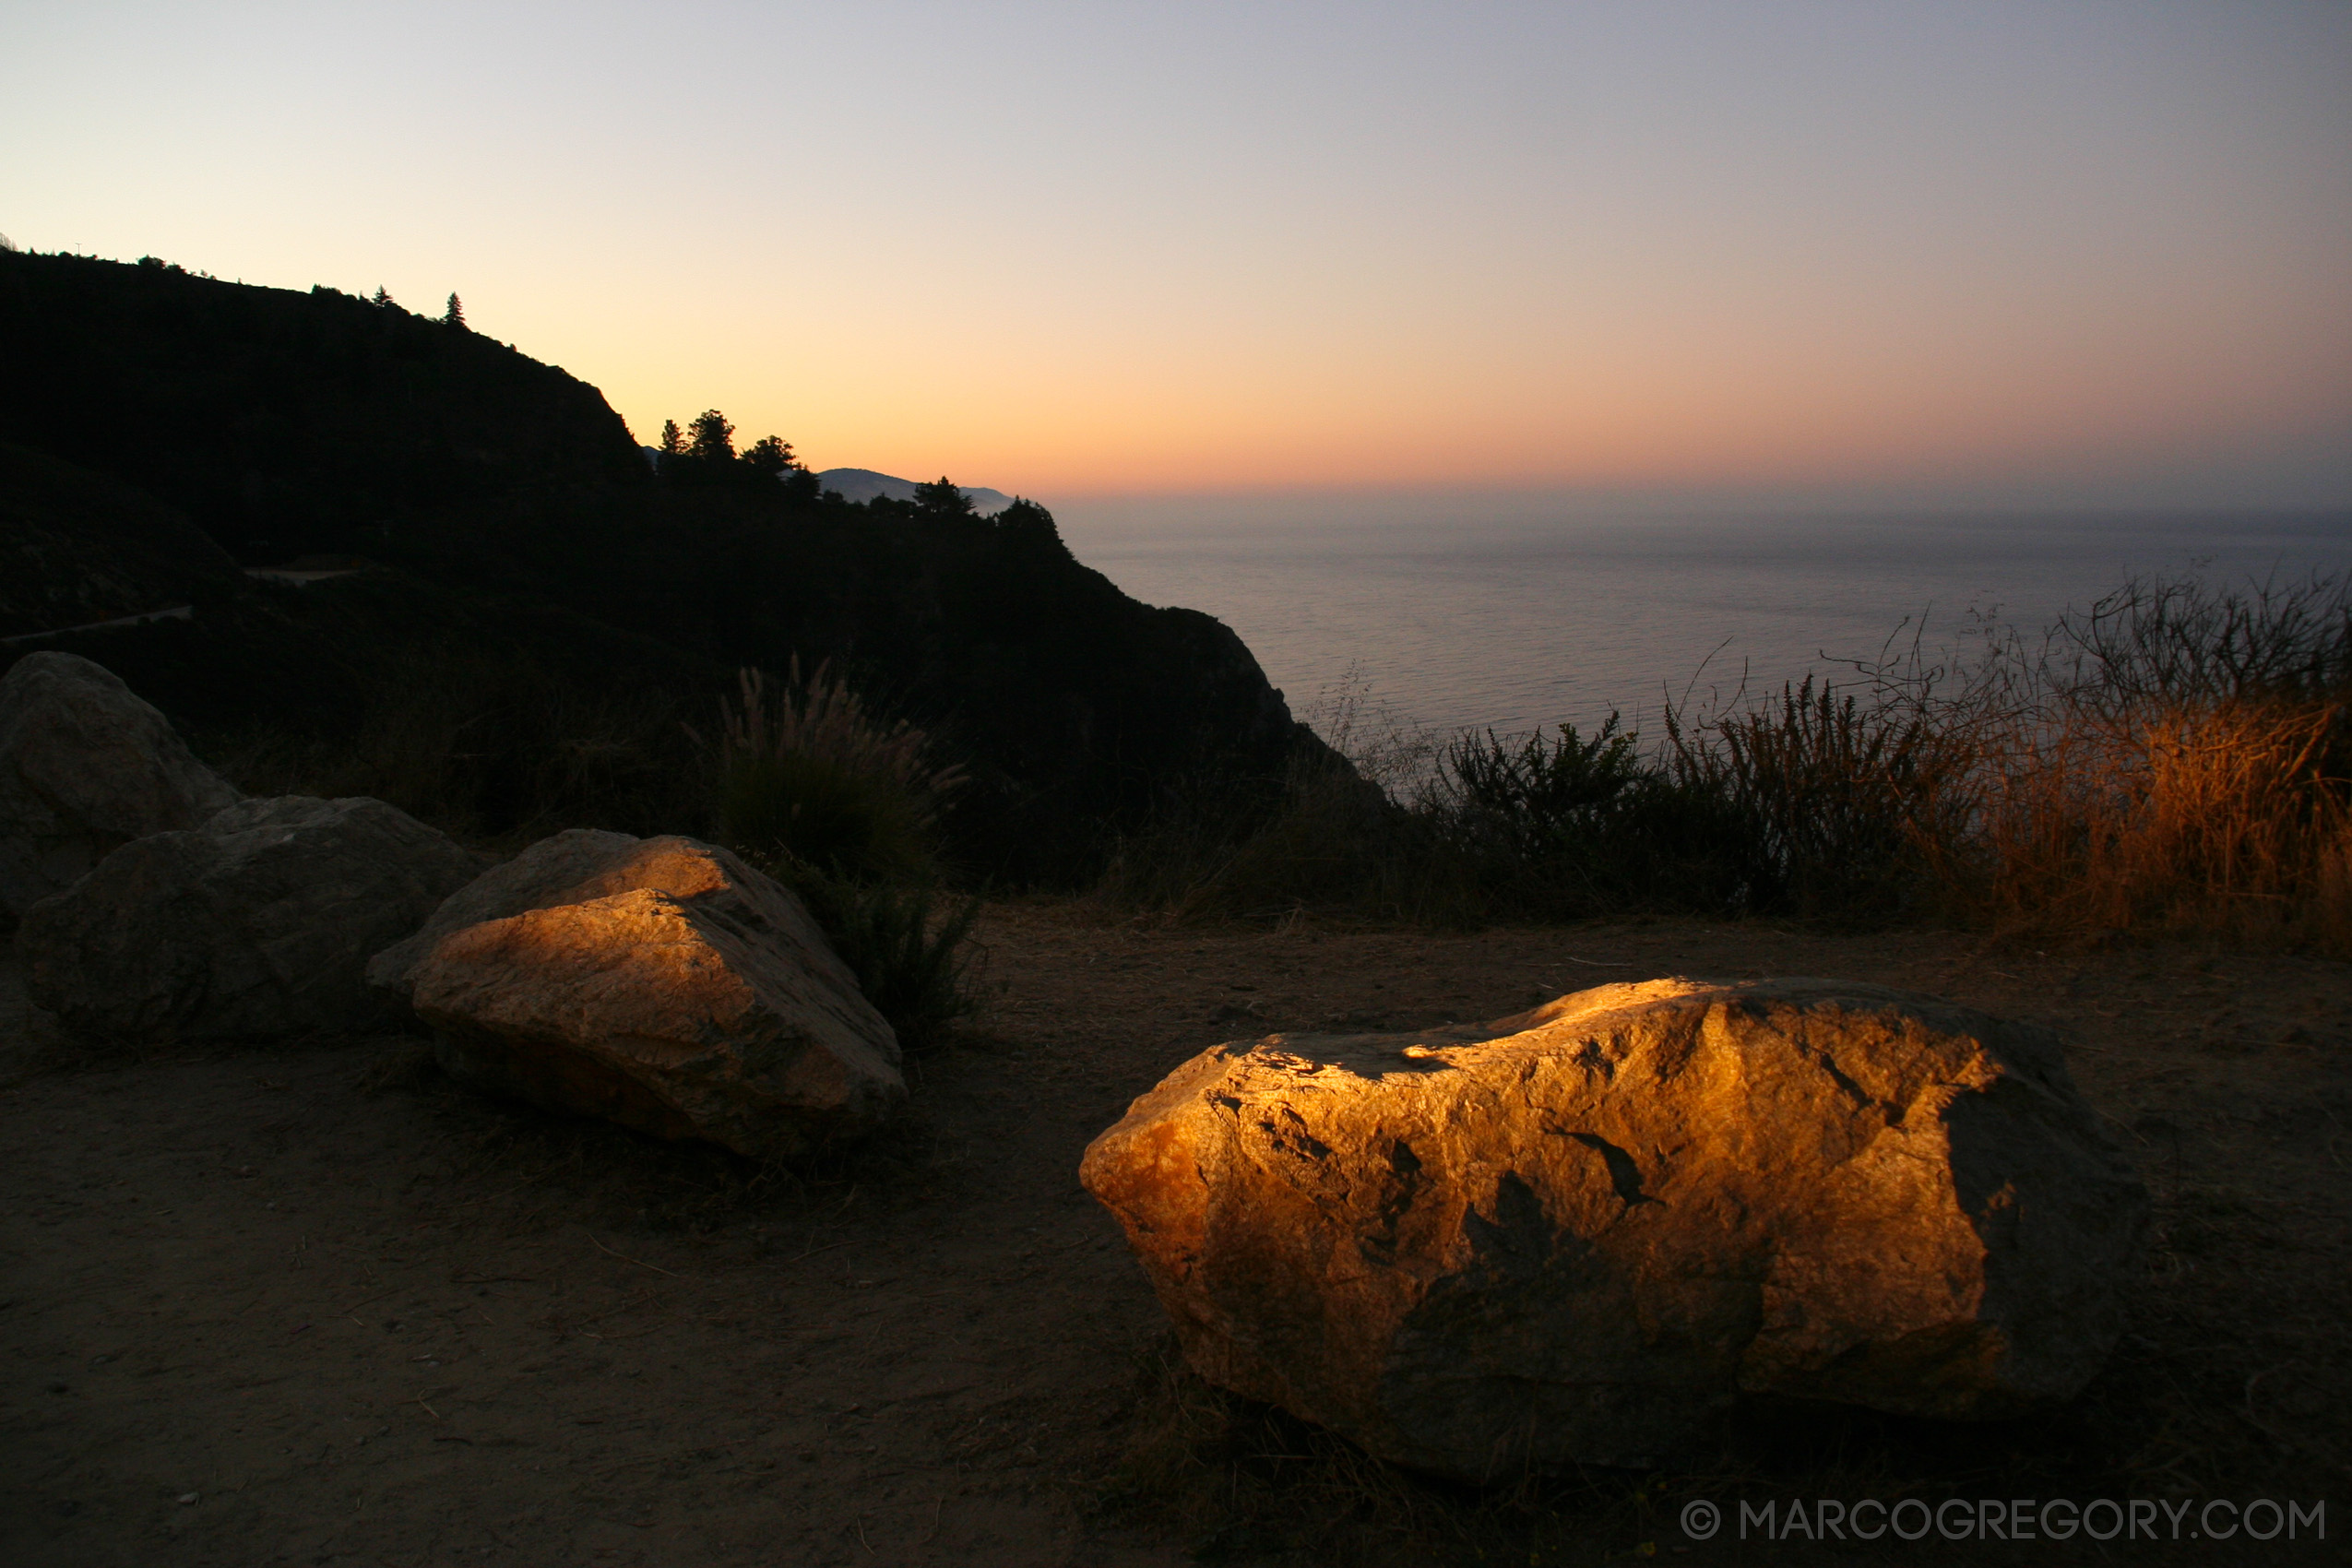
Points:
x=1334, y=832
x=806, y=772
x=1319, y=838
x=842, y=806
x=2175, y=758
x=493, y=750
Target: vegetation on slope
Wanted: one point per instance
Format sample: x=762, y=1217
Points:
x=2175, y=758
x=543, y=617
x=541, y=610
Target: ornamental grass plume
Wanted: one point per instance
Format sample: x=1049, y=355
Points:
x=805, y=771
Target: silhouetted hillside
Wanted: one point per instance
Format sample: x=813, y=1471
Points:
x=76, y=547
x=284, y=424
x=512, y=528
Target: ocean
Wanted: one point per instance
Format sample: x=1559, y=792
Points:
x=1454, y=615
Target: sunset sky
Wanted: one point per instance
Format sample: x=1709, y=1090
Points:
x=1980, y=251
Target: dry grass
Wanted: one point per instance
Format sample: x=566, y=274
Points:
x=807, y=771
x=492, y=750
x=2175, y=758
x=2213, y=818
x=820, y=715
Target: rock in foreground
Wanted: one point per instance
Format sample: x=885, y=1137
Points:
x=1577, y=1235
x=582, y=864
x=85, y=767
x=660, y=983
x=255, y=926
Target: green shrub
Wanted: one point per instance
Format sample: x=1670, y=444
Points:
x=1826, y=803
x=1578, y=825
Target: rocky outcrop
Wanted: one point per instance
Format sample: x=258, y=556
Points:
x=660, y=983
x=85, y=767
x=1578, y=1234
x=257, y=925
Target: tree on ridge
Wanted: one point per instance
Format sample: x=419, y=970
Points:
x=773, y=455
x=942, y=496
x=710, y=437
x=456, y=316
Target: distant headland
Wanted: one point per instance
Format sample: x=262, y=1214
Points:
x=860, y=486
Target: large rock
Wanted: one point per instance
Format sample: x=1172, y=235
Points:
x=257, y=925
x=582, y=864
x=85, y=767
x=660, y=983
x=1577, y=1234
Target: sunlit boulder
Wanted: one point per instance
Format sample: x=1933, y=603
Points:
x=1578, y=1234
x=660, y=983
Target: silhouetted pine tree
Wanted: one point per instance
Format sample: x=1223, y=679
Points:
x=456, y=314
x=710, y=437
x=942, y=497
x=771, y=454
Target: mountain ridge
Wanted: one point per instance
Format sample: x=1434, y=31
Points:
x=864, y=485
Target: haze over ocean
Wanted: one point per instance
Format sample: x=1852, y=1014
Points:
x=1512, y=619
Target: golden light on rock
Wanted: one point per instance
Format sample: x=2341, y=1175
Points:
x=1578, y=1234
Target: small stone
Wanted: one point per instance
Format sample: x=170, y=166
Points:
x=186, y=1499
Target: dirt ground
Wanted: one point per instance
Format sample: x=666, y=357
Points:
x=317, y=1305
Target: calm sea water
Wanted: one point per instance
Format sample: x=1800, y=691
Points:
x=1510, y=619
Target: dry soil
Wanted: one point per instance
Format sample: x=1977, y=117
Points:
x=316, y=1306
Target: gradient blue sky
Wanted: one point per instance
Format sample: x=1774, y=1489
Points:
x=1972, y=253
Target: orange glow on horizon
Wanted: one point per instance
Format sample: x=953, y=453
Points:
x=1130, y=250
